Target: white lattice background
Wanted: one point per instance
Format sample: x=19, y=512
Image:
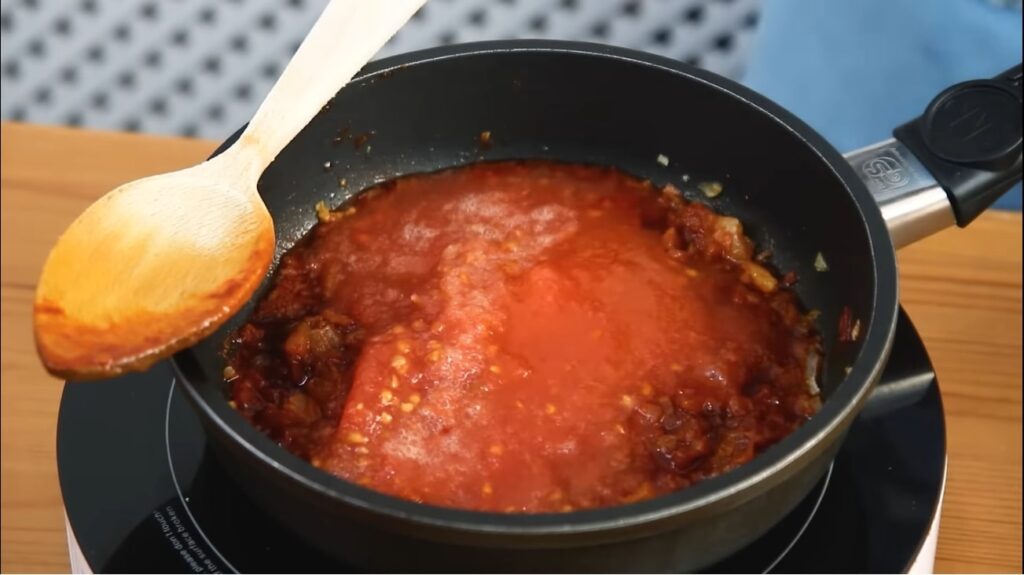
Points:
x=193, y=67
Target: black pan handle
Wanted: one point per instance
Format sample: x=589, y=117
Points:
x=969, y=138
x=951, y=163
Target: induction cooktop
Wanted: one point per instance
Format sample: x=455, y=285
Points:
x=143, y=493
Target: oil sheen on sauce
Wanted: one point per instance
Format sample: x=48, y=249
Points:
x=525, y=337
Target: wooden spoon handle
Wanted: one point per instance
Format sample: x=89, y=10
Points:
x=344, y=38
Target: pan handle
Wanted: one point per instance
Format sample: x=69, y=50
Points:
x=948, y=165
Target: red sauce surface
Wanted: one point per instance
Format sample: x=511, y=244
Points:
x=525, y=337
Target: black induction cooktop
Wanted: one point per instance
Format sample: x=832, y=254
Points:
x=144, y=494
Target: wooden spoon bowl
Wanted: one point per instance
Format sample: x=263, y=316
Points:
x=152, y=267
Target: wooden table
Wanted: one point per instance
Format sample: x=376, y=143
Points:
x=962, y=288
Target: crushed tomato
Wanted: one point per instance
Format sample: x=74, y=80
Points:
x=524, y=337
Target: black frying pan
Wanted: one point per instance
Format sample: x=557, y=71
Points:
x=586, y=103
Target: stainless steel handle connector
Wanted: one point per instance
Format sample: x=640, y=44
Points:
x=913, y=204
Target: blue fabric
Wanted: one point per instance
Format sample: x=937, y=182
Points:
x=855, y=69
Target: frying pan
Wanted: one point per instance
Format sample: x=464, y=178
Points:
x=574, y=102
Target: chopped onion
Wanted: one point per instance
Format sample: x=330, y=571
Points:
x=819, y=263
x=710, y=189
x=760, y=277
x=663, y=159
x=670, y=189
x=322, y=212
x=811, y=372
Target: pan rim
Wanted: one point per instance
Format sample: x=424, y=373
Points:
x=637, y=519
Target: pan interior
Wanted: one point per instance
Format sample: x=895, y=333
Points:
x=581, y=107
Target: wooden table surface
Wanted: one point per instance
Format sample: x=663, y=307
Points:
x=962, y=288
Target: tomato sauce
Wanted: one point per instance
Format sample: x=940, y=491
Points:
x=525, y=337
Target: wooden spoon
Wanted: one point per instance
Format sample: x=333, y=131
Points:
x=161, y=262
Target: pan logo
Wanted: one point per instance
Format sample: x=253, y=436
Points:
x=887, y=171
